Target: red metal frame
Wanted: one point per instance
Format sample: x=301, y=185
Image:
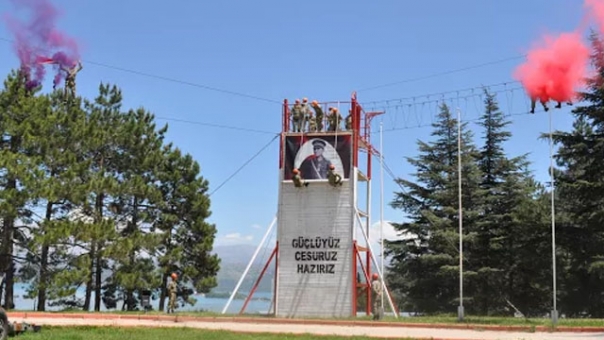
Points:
x=249, y=297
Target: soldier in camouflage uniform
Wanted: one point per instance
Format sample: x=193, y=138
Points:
x=297, y=178
x=348, y=123
x=172, y=289
x=70, y=79
x=376, y=289
x=312, y=123
x=297, y=116
x=306, y=114
x=318, y=115
x=334, y=119
x=334, y=178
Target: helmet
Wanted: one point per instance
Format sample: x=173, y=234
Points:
x=296, y=171
x=297, y=100
x=375, y=276
x=305, y=100
x=331, y=166
x=314, y=102
x=174, y=276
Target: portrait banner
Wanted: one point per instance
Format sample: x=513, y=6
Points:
x=313, y=154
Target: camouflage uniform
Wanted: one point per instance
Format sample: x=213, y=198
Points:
x=70, y=77
x=312, y=124
x=297, y=116
x=348, y=123
x=334, y=119
x=298, y=179
x=318, y=115
x=306, y=115
x=172, y=289
x=334, y=178
x=376, y=288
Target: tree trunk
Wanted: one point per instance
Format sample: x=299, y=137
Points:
x=99, y=255
x=162, y=298
x=90, y=284
x=44, y=264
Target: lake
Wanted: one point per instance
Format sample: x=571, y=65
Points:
x=203, y=303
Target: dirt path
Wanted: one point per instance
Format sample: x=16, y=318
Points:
x=249, y=326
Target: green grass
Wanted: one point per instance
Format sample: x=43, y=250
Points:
x=110, y=333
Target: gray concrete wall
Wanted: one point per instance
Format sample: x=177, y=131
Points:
x=314, y=228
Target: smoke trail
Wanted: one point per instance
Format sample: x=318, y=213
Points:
x=37, y=40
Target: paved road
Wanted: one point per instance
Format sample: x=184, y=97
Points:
x=377, y=332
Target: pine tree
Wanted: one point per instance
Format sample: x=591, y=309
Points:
x=580, y=186
x=187, y=238
x=425, y=266
x=501, y=235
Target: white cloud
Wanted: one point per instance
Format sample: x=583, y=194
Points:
x=237, y=237
x=256, y=226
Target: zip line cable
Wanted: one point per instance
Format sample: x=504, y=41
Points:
x=434, y=75
x=244, y=165
x=173, y=80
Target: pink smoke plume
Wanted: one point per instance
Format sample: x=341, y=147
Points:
x=555, y=69
x=39, y=42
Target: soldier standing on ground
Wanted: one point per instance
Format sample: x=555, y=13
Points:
x=376, y=289
x=172, y=289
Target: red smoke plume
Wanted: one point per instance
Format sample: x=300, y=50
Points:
x=555, y=69
x=559, y=65
x=39, y=42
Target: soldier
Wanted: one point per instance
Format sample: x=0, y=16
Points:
x=298, y=179
x=306, y=114
x=318, y=115
x=334, y=178
x=334, y=119
x=376, y=288
x=312, y=123
x=172, y=289
x=348, y=123
x=534, y=102
x=297, y=115
x=70, y=79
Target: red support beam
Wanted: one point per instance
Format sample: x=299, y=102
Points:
x=276, y=275
x=249, y=297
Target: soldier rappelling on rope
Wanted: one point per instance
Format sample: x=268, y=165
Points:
x=297, y=178
x=334, y=178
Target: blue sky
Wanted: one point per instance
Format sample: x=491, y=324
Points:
x=322, y=50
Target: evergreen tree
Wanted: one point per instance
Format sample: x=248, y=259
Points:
x=187, y=238
x=580, y=186
x=501, y=235
x=425, y=266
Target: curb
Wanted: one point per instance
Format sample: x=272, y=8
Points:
x=176, y=319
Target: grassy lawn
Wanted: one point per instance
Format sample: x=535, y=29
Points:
x=109, y=333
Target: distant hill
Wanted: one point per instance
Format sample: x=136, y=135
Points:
x=234, y=260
